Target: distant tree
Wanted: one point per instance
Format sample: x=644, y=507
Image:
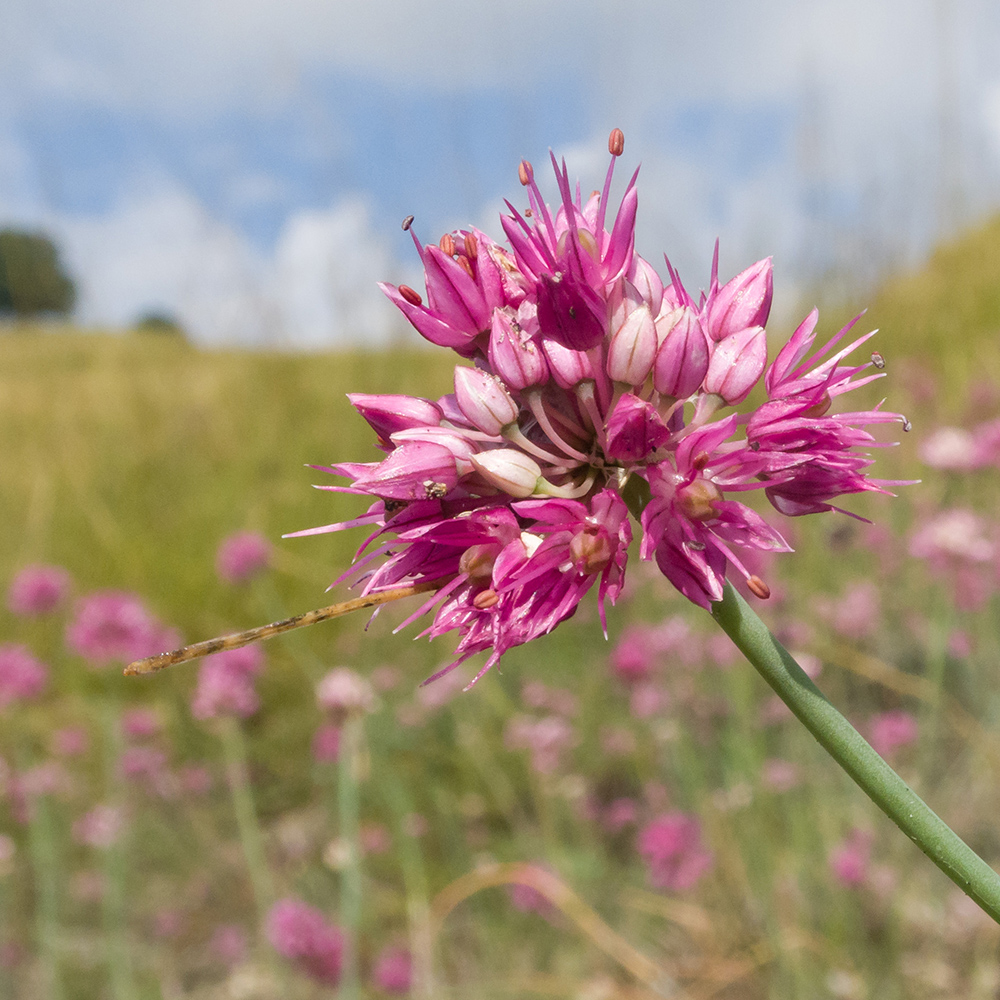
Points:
x=159, y=322
x=32, y=280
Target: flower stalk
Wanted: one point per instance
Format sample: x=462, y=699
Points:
x=853, y=753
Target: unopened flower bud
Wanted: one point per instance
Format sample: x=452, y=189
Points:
x=567, y=366
x=736, y=365
x=514, y=355
x=643, y=276
x=509, y=470
x=681, y=361
x=484, y=400
x=632, y=348
x=743, y=302
x=388, y=414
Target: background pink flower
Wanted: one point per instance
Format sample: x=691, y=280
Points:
x=672, y=848
x=242, y=556
x=300, y=933
x=21, y=675
x=37, y=590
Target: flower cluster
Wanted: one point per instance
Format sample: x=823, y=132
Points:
x=593, y=389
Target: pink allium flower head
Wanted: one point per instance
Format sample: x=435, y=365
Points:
x=71, y=741
x=228, y=944
x=100, y=827
x=301, y=934
x=546, y=738
x=591, y=383
x=634, y=658
x=952, y=535
x=672, y=848
x=343, y=692
x=242, y=556
x=225, y=684
x=115, y=625
x=393, y=971
x=856, y=613
x=22, y=677
x=891, y=730
x=780, y=775
x=138, y=723
x=850, y=860
x=37, y=590
x=950, y=448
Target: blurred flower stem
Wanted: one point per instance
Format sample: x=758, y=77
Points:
x=48, y=877
x=234, y=750
x=415, y=878
x=349, y=765
x=115, y=861
x=846, y=745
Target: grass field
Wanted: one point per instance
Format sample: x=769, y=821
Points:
x=127, y=460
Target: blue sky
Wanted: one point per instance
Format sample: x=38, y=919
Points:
x=245, y=165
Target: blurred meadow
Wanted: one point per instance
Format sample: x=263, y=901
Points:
x=623, y=819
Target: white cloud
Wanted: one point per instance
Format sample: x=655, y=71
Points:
x=325, y=270
x=161, y=250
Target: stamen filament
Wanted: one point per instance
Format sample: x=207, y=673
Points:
x=539, y=412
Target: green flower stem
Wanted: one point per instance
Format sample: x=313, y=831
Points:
x=846, y=745
x=115, y=901
x=349, y=764
x=44, y=857
x=237, y=772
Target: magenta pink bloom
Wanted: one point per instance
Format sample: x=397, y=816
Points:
x=301, y=934
x=71, y=741
x=139, y=723
x=22, y=677
x=590, y=387
x=242, y=556
x=891, y=730
x=100, y=827
x=393, y=971
x=671, y=846
x=115, y=625
x=37, y=590
x=850, y=860
x=226, y=684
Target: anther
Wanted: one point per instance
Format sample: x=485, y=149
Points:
x=407, y=222
x=877, y=360
x=701, y=460
x=616, y=142
x=525, y=173
x=471, y=246
x=467, y=264
x=485, y=599
x=411, y=295
x=447, y=244
x=758, y=588
x=528, y=213
x=907, y=426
